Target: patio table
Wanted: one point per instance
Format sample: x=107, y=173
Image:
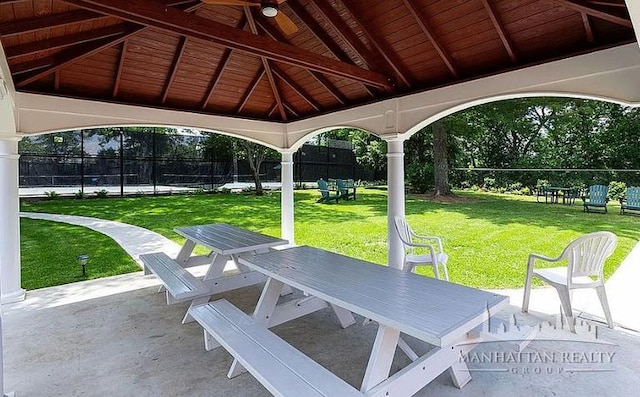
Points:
x=440, y=313
x=226, y=242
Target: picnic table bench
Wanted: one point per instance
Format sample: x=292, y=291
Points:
x=437, y=312
x=226, y=242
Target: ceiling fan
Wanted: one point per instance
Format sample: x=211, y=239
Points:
x=268, y=8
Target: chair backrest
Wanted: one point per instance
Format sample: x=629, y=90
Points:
x=323, y=187
x=586, y=255
x=598, y=194
x=340, y=185
x=404, y=231
x=632, y=196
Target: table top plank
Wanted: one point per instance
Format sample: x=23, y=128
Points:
x=226, y=239
x=428, y=309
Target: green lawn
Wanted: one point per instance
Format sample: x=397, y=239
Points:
x=49, y=252
x=488, y=237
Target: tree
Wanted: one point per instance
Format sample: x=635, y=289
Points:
x=255, y=154
x=440, y=159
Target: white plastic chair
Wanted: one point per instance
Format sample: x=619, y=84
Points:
x=411, y=241
x=585, y=257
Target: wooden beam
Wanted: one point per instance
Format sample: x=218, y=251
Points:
x=150, y=13
x=272, y=110
x=322, y=36
x=500, y=29
x=294, y=86
x=9, y=29
x=224, y=59
x=63, y=41
x=420, y=20
x=77, y=53
x=384, y=50
x=581, y=6
x=56, y=81
x=291, y=109
x=116, y=83
x=587, y=27
x=267, y=67
x=249, y=91
x=277, y=36
x=174, y=68
x=31, y=66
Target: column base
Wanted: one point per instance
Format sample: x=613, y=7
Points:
x=16, y=296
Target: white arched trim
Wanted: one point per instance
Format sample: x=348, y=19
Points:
x=482, y=101
x=298, y=144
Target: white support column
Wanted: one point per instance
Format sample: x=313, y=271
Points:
x=10, y=229
x=395, y=199
x=286, y=198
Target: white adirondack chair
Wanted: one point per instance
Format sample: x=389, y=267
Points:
x=585, y=257
x=434, y=258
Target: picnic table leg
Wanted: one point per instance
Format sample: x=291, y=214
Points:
x=185, y=252
x=215, y=271
x=384, y=348
x=264, y=309
x=345, y=317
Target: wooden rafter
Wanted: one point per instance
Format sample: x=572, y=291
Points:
x=82, y=51
x=384, y=50
x=346, y=34
x=63, y=41
x=291, y=109
x=250, y=89
x=321, y=35
x=500, y=29
x=587, y=27
x=56, y=81
x=420, y=20
x=31, y=66
x=224, y=59
x=294, y=86
x=150, y=13
x=277, y=36
x=47, y=22
x=116, y=82
x=581, y=6
x=76, y=53
x=174, y=68
x=266, y=65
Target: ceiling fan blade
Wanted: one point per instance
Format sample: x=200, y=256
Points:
x=285, y=23
x=232, y=2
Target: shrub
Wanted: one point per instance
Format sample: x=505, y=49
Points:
x=489, y=183
x=79, y=195
x=542, y=183
x=502, y=190
x=514, y=187
x=52, y=195
x=420, y=176
x=617, y=190
x=526, y=191
x=101, y=193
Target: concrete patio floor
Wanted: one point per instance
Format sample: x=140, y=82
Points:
x=117, y=337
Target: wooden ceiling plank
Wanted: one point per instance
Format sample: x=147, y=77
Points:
x=265, y=64
x=276, y=35
x=420, y=20
x=250, y=89
x=587, y=27
x=150, y=13
x=174, y=68
x=319, y=33
x=224, y=59
x=500, y=29
x=9, y=29
x=295, y=87
x=345, y=33
x=384, y=50
x=583, y=7
x=63, y=41
x=77, y=53
x=116, y=83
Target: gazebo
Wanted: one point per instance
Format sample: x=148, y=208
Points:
x=229, y=66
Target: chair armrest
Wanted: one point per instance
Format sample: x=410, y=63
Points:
x=438, y=240
x=544, y=258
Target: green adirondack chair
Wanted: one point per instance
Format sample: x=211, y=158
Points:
x=631, y=200
x=327, y=195
x=344, y=190
x=597, y=198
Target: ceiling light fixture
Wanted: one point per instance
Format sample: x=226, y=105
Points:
x=269, y=8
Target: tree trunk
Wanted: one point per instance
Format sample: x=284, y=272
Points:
x=440, y=159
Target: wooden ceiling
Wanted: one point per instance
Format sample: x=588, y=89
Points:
x=232, y=60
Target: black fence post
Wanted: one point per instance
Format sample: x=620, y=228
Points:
x=154, y=177
x=121, y=162
x=82, y=162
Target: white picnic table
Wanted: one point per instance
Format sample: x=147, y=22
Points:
x=437, y=312
x=226, y=242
